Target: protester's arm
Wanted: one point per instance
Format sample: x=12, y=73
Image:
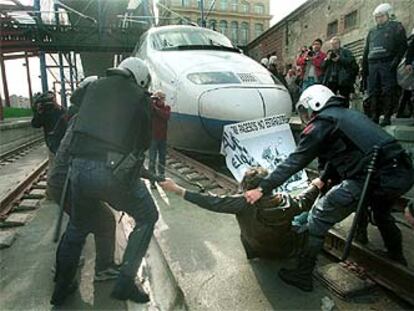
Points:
x=219, y=204
x=304, y=201
x=163, y=112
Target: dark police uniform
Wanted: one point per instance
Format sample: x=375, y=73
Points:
x=345, y=139
x=114, y=119
x=266, y=227
x=384, y=48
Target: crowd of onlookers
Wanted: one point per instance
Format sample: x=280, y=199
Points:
x=374, y=76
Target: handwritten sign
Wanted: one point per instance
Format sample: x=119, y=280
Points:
x=266, y=142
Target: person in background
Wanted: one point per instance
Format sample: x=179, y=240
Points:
x=272, y=67
x=311, y=64
x=47, y=114
x=160, y=115
x=340, y=69
x=264, y=62
x=384, y=48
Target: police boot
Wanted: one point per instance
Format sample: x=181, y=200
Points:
x=64, y=285
x=301, y=276
x=392, y=238
x=388, y=110
x=125, y=288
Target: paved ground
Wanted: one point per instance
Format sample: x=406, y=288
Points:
x=26, y=277
x=206, y=257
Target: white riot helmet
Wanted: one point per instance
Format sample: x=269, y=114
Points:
x=88, y=80
x=313, y=99
x=384, y=9
x=264, y=61
x=138, y=69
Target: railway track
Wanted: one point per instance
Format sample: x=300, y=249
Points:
x=394, y=277
x=20, y=151
x=35, y=180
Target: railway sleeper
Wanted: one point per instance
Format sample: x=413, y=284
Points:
x=196, y=177
x=186, y=170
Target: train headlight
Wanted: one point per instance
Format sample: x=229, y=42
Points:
x=213, y=78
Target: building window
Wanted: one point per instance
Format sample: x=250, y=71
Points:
x=212, y=24
x=244, y=7
x=350, y=20
x=235, y=32
x=223, y=5
x=234, y=5
x=244, y=33
x=223, y=27
x=259, y=9
x=332, y=29
x=258, y=29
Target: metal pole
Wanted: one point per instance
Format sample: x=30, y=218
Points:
x=76, y=69
x=42, y=55
x=1, y=109
x=4, y=78
x=29, y=81
x=69, y=60
x=203, y=22
x=61, y=69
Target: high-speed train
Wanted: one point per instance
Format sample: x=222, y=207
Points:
x=208, y=83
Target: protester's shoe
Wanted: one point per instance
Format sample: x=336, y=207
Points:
x=125, y=288
x=110, y=273
x=153, y=186
x=61, y=292
x=301, y=276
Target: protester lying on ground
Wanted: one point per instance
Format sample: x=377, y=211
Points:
x=266, y=227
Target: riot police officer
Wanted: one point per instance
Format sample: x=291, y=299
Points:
x=111, y=133
x=384, y=48
x=344, y=139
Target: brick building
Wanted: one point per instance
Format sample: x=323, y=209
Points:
x=240, y=20
x=350, y=20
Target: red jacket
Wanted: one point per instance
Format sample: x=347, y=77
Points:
x=316, y=61
x=160, y=117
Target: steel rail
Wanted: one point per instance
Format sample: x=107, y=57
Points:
x=5, y=155
x=12, y=197
x=393, y=276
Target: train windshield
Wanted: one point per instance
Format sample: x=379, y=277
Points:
x=189, y=39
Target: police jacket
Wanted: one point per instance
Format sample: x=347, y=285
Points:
x=266, y=225
x=385, y=43
x=114, y=116
x=343, y=72
x=343, y=137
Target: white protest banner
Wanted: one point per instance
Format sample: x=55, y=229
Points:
x=265, y=142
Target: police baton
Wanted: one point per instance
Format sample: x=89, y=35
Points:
x=361, y=203
x=58, y=226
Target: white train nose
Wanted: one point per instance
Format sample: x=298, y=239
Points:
x=219, y=107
